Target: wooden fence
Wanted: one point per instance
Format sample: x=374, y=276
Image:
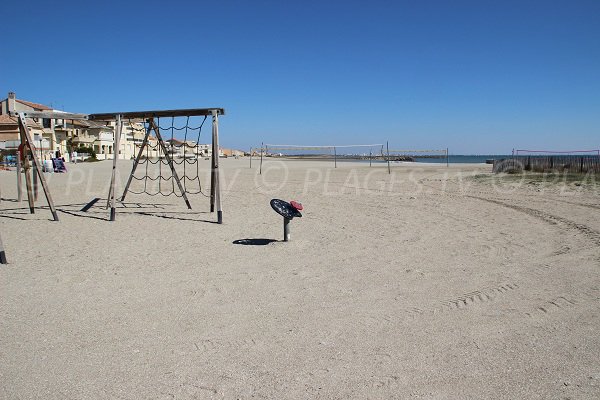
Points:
x=574, y=164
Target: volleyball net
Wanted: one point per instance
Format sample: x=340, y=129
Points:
x=356, y=151
x=335, y=153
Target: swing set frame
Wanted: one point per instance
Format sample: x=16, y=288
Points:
x=118, y=118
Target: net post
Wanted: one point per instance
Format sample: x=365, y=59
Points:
x=215, y=166
x=447, y=158
x=334, y=157
x=261, y=157
x=370, y=151
x=387, y=145
x=19, y=178
x=116, y=144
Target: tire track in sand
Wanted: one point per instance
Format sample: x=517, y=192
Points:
x=476, y=297
x=578, y=296
x=589, y=233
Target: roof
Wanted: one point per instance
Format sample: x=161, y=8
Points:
x=37, y=106
x=6, y=119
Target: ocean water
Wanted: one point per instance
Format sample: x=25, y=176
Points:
x=462, y=159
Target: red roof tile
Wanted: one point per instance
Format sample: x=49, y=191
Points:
x=37, y=106
x=6, y=119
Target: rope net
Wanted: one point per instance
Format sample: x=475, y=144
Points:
x=181, y=144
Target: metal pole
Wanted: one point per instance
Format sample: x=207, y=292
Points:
x=261, y=157
x=447, y=158
x=334, y=157
x=19, y=178
x=286, y=230
x=370, y=151
x=250, y=157
x=387, y=145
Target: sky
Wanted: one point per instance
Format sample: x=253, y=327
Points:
x=477, y=77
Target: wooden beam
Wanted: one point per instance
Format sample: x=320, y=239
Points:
x=191, y=112
x=28, y=145
x=50, y=114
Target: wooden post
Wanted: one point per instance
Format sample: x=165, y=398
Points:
x=217, y=183
x=2, y=253
x=261, y=158
x=212, y=177
x=111, y=193
x=387, y=145
x=137, y=161
x=19, y=178
x=27, y=172
x=24, y=129
x=35, y=185
x=334, y=157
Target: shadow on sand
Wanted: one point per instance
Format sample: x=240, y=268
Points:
x=254, y=242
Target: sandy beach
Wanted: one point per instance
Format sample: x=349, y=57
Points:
x=430, y=282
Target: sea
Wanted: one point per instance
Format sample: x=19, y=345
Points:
x=462, y=159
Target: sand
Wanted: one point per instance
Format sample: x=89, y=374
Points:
x=426, y=283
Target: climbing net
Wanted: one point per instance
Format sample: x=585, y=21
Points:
x=180, y=144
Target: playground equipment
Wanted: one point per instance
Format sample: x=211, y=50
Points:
x=288, y=211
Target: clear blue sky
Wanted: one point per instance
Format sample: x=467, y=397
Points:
x=474, y=76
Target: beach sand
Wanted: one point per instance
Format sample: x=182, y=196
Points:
x=426, y=283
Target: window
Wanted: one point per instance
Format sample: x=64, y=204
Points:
x=46, y=123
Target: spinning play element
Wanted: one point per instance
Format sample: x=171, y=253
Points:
x=288, y=211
